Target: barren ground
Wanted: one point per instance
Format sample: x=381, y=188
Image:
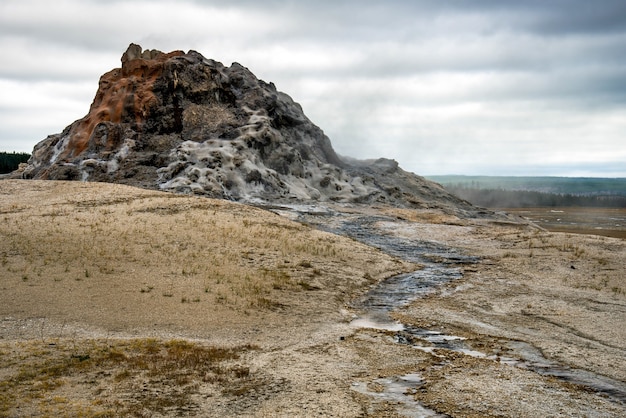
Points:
x=120, y=301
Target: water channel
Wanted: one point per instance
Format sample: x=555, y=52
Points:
x=441, y=265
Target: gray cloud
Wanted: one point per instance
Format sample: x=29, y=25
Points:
x=451, y=86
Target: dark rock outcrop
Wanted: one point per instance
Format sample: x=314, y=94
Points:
x=180, y=122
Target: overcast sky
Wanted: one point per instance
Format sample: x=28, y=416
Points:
x=490, y=87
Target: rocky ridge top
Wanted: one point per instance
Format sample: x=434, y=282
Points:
x=180, y=122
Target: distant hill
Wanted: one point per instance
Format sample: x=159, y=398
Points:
x=494, y=191
x=579, y=186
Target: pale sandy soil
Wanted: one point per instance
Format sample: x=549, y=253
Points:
x=119, y=301
x=563, y=294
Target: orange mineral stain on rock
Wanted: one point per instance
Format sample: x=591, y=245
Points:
x=124, y=95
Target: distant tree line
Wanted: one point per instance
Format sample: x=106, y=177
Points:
x=10, y=161
x=499, y=198
x=580, y=186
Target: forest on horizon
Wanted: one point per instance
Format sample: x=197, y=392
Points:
x=514, y=192
x=10, y=161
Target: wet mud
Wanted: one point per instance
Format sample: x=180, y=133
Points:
x=397, y=389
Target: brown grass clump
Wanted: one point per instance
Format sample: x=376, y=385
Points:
x=136, y=377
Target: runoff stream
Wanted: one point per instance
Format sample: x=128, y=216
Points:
x=441, y=265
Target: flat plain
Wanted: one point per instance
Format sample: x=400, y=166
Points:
x=609, y=222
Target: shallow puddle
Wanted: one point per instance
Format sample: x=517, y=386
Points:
x=398, y=389
x=533, y=359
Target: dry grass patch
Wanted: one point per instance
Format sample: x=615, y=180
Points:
x=424, y=216
x=138, y=377
x=114, y=255
x=587, y=262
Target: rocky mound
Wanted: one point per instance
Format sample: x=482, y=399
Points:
x=180, y=122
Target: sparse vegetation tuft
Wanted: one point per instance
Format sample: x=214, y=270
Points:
x=151, y=377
